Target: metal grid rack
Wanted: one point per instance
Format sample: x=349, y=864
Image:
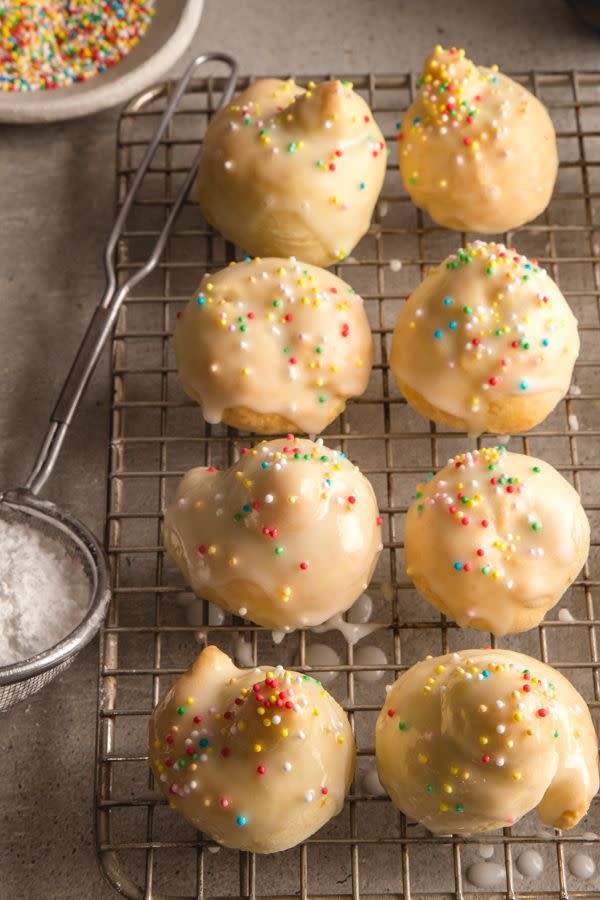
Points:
x=155, y=628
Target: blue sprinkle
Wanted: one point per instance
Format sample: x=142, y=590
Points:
x=342, y=455
x=247, y=259
x=458, y=566
x=265, y=465
x=545, y=342
x=453, y=325
x=201, y=299
x=203, y=742
x=447, y=301
x=437, y=334
x=241, y=820
x=362, y=186
x=246, y=508
x=416, y=120
x=486, y=674
x=523, y=385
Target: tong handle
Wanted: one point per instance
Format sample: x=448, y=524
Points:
x=105, y=314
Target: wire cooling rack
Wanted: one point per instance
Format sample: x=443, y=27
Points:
x=155, y=627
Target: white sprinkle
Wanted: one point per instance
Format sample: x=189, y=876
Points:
x=269, y=498
x=287, y=767
x=228, y=164
x=395, y=265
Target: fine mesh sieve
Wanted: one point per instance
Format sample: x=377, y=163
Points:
x=21, y=505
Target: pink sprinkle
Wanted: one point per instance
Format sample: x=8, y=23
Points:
x=304, y=565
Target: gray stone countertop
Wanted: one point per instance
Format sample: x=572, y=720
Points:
x=56, y=199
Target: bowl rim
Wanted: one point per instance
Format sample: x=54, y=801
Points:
x=67, y=103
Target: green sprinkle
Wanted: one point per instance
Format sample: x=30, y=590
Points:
x=318, y=349
x=181, y=763
x=292, y=147
x=537, y=470
x=401, y=726
x=276, y=303
x=467, y=310
x=237, y=517
x=181, y=710
x=535, y=526
x=459, y=808
x=322, y=398
x=429, y=788
x=555, y=733
x=278, y=551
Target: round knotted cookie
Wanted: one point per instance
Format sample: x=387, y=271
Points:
x=258, y=759
x=289, y=172
x=287, y=537
x=494, y=539
x=487, y=342
x=474, y=740
x=477, y=150
x=274, y=345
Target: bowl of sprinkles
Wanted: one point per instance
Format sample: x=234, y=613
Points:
x=62, y=59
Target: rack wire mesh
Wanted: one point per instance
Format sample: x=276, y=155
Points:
x=155, y=626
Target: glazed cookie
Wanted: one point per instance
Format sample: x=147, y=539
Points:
x=289, y=172
x=477, y=150
x=258, y=759
x=274, y=345
x=287, y=537
x=510, y=518
x=487, y=342
x=472, y=741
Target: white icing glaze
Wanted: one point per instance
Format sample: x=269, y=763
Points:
x=352, y=632
x=476, y=149
x=257, y=759
x=582, y=866
x=360, y=612
x=495, y=538
x=471, y=741
x=277, y=338
x=284, y=171
x=485, y=874
x=565, y=615
x=370, y=655
x=322, y=655
x=262, y=534
x=486, y=342
x=530, y=863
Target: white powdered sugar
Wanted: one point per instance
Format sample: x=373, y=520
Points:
x=43, y=592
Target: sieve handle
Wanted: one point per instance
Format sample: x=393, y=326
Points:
x=105, y=314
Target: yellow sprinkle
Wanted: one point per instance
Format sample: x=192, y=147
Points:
x=454, y=770
x=284, y=732
x=422, y=758
x=233, y=561
x=518, y=716
x=315, y=711
x=257, y=748
x=212, y=550
x=267, y=723
x=448, y=789
x=261, y=710
x=439, y=669
x=517, y=776
x=340, y=739
x=443, y=807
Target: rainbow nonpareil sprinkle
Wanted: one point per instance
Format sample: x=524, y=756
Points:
x=46, y=45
